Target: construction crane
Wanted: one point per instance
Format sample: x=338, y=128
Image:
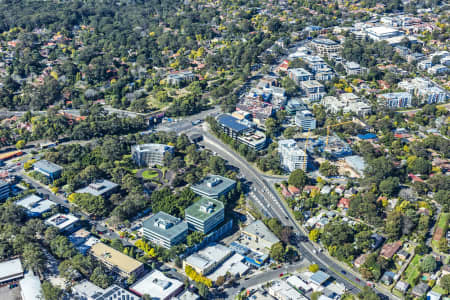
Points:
x=305, y=160
x=334, y=125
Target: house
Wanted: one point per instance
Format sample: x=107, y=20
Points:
x=213, y=186
x=48, y=169
x=387, y=278
x=420, y=289
x=403, y=254
x=360, y=260
x=377, y=241
x=294, y=190
x=344, y=203
x=165, y=230
x=388, y=250
x=402, y=286
x=157, y=286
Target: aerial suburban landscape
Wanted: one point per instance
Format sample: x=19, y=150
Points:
x=224, y=149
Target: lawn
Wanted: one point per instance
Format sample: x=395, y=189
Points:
x=150, y=174
x=412, y=272
x=443, y=220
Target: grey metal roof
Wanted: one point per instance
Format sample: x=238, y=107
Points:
x=320, y=277
x=98, y=187
x=213, y=184
x=165, y=225
x=231, y=122
x=47, y=166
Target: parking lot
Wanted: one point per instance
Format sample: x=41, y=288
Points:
x=10, y=294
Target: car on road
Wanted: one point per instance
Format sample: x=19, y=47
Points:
x=281, y=274
x=357, y=279
x=343, y=272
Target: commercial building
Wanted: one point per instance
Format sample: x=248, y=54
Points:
x=233, y=265
x=313, y=90
x=86, y=290
x=4, y=190
x=157, y=286
x=325, y=47
x=116, y=261
x=208, y=259
x=165, y=230
x=283, y=291
x=305, y=119
x=259, y=233
x=49, y=169
x=66, y=223
x=35, y=206
x=380, y=33
x=101, y=187
x=295, y=105
x=395, y=100
x=205, y=214
x=187, y=295
x=180, y=78
x=319, y=278
x=147, y=155
x=10, y=271
x=243, y=131
x=292, y=157
x=213, y=186
x=299, y=74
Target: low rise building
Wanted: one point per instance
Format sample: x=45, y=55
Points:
x=438, y=70
x=205, y=214
x=352, y=68
x=30, y=287
x=180, y=78
x=147, y=155
x=299, y=74
x=380, y=33
x=313, y=90
x=11, y=271
x=4, y=190
x=424, y=89
x=260, y=234
x=395, y=100
x=325, y=47
x=86, y=290
x=35, y=206
x=346, y=105
x=157, y=286
x=283, y=291
x=208, y=259
x=49, y=169
x=213, y=186
x=305, y=120
x=165, y=230
x=116, y=261
x=292, y=157
x=243, y=131
x=233, y=265
x=101, y=187
x=66, y=223
x=187, y=295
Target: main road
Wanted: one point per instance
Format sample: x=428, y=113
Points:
x=274, y=205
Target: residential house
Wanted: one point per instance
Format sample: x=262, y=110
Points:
x=390, y=249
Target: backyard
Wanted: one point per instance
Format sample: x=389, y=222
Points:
x=412, y=273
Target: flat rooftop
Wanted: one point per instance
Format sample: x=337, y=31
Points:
x=61, y=221
x=213, y=184
x=234, y=265
x=88, y=289
x=259, y=229
x=47, y=166
x=98, y=188
x=114, y=257
x=208, y=256
x=165, y=225
x=10, y=267
x=156, y=285
x=35, y=204
x=311, y=84
x=231, y=122
x=323, y=41
x=204, y=208
x=152, y=148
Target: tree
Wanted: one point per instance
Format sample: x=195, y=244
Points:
x=314, y=235
x=220, y=280
x=277, y=252
x=50, y=292
x=313, y=268
x=368, y=294
x=33, y=258
x=419, y=165
x=298, y=178
x=389, y=185
x=445, y=283
x=428, y=264
x=290, y=132
x=100, y=278
x=20, y=144
x=327, y=169
x=117, y=244
x=393, y=226
x=443, y=245
x=194, y=238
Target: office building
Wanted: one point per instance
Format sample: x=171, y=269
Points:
x=208, y=259
x=395, y=100
x=101, y=187
x=261, y=235
x=213, y=186
x=255, y=140
x=313, y=90
x=299, y=74
x=35, y=206
x=234, y=127
x=292, y=157
x=205, y=214
x=380, y=33
x=116, y=261
x=157, y=286
x=305, y=120
x=49, y=169
x=148, y=155
x=4, y=190
x=165, y=230
x=325, y=47
x=66, y=223
x=11, y=271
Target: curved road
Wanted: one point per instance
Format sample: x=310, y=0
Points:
x=274, y=204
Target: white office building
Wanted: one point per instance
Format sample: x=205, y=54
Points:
x=148, y=155
x=292, y=157
x=305, y=120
